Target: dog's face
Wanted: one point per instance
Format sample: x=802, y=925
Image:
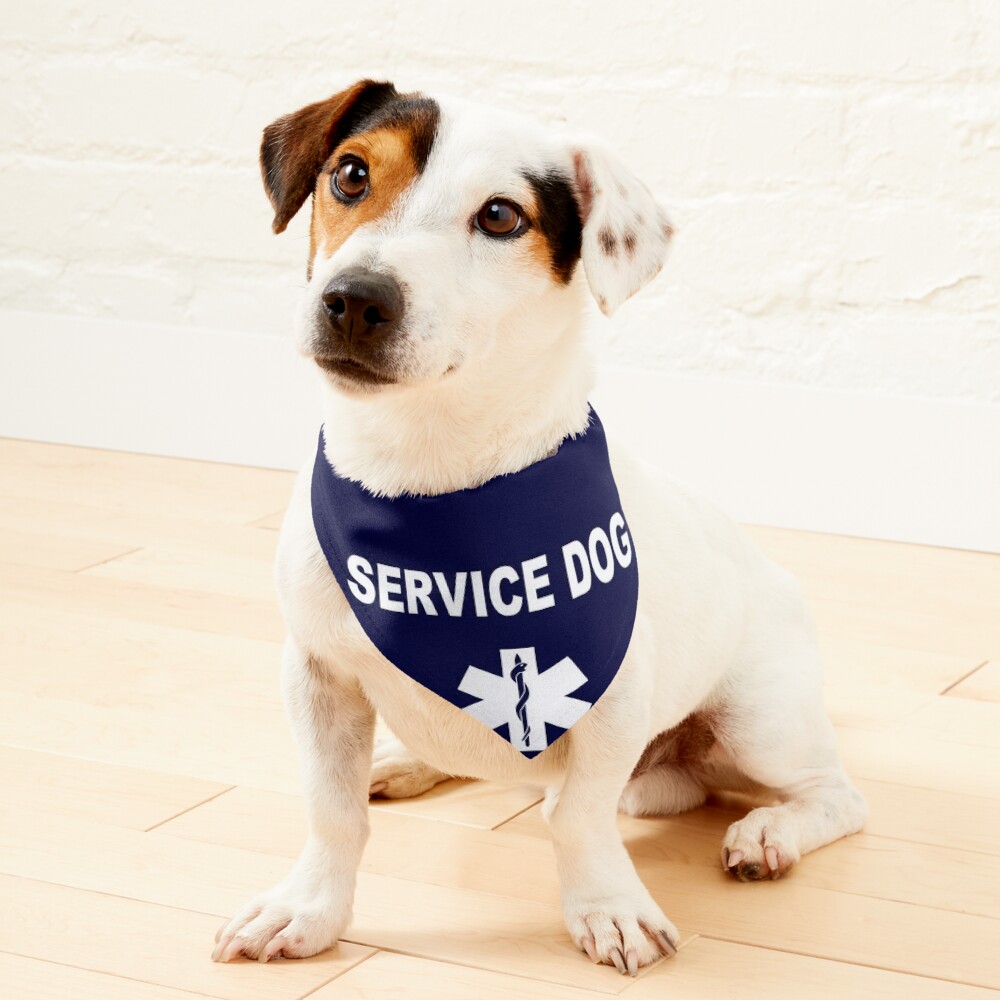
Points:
x=444, y=231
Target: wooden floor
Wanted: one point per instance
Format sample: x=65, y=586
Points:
x=150, y=785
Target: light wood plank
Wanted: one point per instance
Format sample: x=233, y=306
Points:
x=90, y=930
x=925, y=875
x=147, y=867
x=124, y=734
x=850, y=663
x=115, y=480
x=904, y=574
x=388, y=975
x=931, y=816
x=468, y=803
x=131, y=601
x=402, y=843
x=871, y=686
x=871, y=706
x=100, y=658
x=272, y=522
x=708, y=970
x=239, y=562
x=904, y=596
x=55, y=549
x=33, y=979
x=129, y=528
x=964, y=629
x=133, y=693
x=274, y=823
x=966, y=721
x=920, y=761
x=76, y=789
x=983, y=685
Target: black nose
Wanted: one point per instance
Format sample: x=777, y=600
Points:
x=363, y=308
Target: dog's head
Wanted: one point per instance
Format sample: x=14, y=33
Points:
x=442, y=231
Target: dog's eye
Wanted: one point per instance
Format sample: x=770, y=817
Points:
x=498, y=217
x=350, y=179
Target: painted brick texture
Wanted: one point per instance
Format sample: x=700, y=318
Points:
x=832, y=168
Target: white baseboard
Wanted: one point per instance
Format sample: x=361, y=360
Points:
x=904, y=468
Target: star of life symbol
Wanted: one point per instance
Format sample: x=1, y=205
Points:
x=524, y=699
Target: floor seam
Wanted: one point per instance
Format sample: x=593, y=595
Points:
x=102, y=562
x=182, y=812
x=842, y=961
x=964, y=677
x=453, y=963
x=520, y=812
x=361, y=961
x=255, y=523
x=111, y=975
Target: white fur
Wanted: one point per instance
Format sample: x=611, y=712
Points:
x=493, y=375
x=619, y=207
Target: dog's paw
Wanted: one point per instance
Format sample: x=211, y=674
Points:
x=762, y=845
x=397, y=774
x=284, y=922
x=622, y=932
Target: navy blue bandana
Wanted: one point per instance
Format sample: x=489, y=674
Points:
x=514, y=601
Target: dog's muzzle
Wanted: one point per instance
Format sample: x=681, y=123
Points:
x=360, y=313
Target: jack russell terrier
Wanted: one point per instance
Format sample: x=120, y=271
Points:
x=459, y=557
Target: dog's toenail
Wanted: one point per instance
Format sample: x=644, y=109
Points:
x=666, y=944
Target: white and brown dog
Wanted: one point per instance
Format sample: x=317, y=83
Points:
x=444, y=311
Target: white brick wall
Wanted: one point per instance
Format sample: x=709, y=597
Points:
x=833, y=167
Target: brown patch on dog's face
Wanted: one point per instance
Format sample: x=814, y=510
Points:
x=389, y=152
x=607, y=240
x=556, y=232
x=294, y=148
x=371, y=121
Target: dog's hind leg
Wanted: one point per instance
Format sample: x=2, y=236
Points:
x=397, y=774
x=667, y=779
x=663, y=790
x=777, y=734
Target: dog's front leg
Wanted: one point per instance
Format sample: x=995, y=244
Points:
x=609, y=912
x=308, y=910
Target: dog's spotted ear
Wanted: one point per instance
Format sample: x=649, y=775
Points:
x=295, y=147
x=626, y=233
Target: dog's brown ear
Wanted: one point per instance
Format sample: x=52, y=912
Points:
x=295, y=147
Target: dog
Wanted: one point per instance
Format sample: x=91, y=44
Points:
x=451, y=249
